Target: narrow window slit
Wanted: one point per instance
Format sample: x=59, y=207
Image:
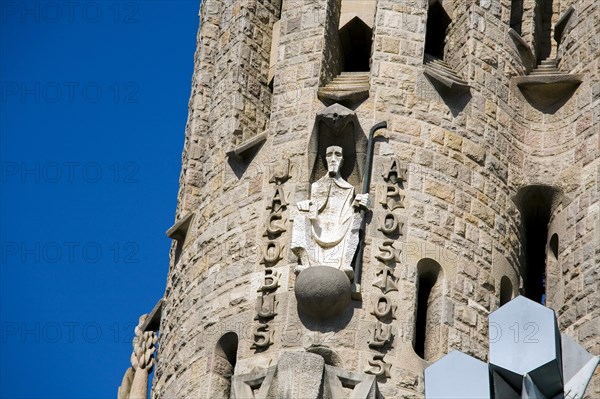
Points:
x=429, y=309
x=223, y=365
x=516, y=16
x=535, y=204
x=437, y=25
x=506, y=290
x=356, y=37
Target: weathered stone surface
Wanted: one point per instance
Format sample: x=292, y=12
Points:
x=299, y=375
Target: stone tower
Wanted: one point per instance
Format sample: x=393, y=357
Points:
x=484, y=183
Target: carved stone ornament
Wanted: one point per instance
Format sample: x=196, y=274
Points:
x=135, y=381
x=383, y=308
x=395, y=174
x=390, y=225
x=378, y=367
x=386, y=281
x=278, y=201
x=274, y=225
x=272, y=254
x=381, y=335
x=299, y=374
x=391, y=198
x=125, y=387
x=326, y=230
x=266, y=306
x=271, y=281
x=322, y=292
x=253, y=385
x=337, y=382
x=263, y=337
x=387, y=253
x=281, y=174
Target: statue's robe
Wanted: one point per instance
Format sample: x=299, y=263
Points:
x=327, y=234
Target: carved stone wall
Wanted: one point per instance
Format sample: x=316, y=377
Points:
x=466, y=156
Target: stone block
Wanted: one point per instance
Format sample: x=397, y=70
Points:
x=390, y=45
x=299, y=375
x=453, y=141
x=473, y=151
x=439, y=190
x=483, y=212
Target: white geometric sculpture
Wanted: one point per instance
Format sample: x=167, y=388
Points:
x=528, y=360
x=524, y=339
x=578, y=367
x=457, y=376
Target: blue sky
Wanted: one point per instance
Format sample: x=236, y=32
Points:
x=93, y=103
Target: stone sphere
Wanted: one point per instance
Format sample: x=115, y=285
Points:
x=322, y=291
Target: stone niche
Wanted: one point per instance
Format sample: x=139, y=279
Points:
x=326, y=231
x=338, y=125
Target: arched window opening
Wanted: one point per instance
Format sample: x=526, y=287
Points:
x=506, y=290
x=535, y=205
x=330, y=357
x=226, y=348
x=516, y=16
x=437, y=25
x=553, y=246
x=429, y=306
x=223, y=365
x=356, y=38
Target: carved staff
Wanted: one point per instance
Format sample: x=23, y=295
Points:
x=365, y=190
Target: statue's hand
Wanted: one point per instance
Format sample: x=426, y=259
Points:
x=304, y=206
x=362, y=201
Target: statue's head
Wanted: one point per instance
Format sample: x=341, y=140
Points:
x=334, y=158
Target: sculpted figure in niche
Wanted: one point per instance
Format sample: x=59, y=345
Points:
x=326, y=230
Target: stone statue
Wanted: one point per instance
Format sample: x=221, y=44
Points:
x=326, y=230
x=135, y=381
